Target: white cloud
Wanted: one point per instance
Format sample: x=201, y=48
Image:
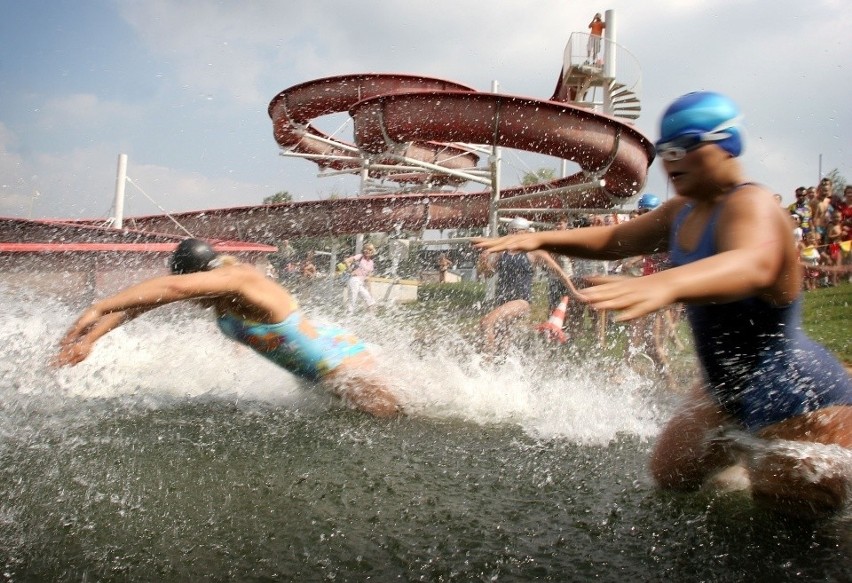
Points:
x=71, y=112
x=198, y=136
x=15, y=191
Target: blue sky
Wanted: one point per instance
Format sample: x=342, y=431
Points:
x=182, y=86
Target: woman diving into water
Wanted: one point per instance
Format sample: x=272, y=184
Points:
x=251, y=309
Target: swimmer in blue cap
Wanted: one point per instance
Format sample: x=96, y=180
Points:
x=251, y=309
x=735, y=266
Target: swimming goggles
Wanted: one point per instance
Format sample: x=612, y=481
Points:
x=677, y=148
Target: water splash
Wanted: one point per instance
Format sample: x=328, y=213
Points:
x=173, y=451
x=176, y=354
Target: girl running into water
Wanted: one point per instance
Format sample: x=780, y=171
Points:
x=737, y=268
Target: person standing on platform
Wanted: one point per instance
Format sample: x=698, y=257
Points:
x=596, y=28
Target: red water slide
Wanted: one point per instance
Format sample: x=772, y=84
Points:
x=293, y=110
x=404, y=118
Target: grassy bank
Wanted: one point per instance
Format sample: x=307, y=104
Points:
x=827, y=316
x=826, y=313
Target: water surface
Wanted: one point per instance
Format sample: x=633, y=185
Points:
x=174, y=455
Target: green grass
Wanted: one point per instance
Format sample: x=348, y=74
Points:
x=826, y=315
x=826, y=318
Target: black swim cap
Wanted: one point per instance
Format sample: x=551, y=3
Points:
x=193, y=255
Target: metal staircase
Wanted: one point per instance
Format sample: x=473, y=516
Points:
x=595, y=86
x=625, y=103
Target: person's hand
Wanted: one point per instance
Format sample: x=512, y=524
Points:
x=518, y=242
x=631, y=297
x=86, y=319
x=72, y=353
x=74, y=348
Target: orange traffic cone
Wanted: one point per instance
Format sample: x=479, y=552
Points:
x=552, y=329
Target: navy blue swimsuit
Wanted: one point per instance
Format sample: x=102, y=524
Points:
x=759, y=365
x=514, y=277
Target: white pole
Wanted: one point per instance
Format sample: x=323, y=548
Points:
x=495, y=176
x=120, y=180
x=491, y=284
x=610, y=39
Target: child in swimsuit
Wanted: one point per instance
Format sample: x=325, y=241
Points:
x=253, y=310
x=810, y=256
x=736, y=266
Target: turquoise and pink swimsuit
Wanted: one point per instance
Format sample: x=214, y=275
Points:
x=758, y=363
x=302, y=347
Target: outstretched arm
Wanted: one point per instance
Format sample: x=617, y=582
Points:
x=756, y=258
x=641, y=236
x=109, y=313
x=251, y=294
x=545, y=260
x=76, y=346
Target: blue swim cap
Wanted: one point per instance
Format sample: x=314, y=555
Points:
x=704, y=112
x=648, y=201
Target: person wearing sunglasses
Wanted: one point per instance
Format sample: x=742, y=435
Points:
x=802, y=208
x=773, y=411
x=251, y=309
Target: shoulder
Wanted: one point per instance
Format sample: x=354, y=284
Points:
x=751, y=196
x=669, y=210
x=752, y=211
x=241, y=272
x=751, y=202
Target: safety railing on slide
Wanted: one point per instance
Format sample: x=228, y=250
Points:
x=609, y=82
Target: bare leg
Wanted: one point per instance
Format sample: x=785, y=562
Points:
x=672, y=317
x=360, y=387
x=798, y=477
x=683, y=457
x=371, y=395
x=659, y=355
x=496, y=325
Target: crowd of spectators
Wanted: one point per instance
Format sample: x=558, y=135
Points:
x=822, y=222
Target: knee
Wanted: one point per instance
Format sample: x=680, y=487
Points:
x=800, y=486
x=670, y=475
x=679, y=463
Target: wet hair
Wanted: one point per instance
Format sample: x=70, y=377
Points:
x=705, y=113
x=193, y=255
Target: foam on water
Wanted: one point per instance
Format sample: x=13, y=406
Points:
x=174, y=451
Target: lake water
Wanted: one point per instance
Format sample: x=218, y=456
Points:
x=174, y=455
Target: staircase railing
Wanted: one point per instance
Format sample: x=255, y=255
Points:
x=613, y=61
